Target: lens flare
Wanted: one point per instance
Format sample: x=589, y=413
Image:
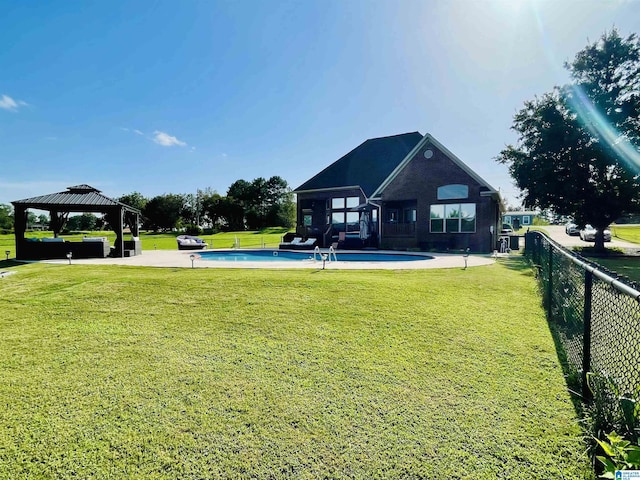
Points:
x=598, y=126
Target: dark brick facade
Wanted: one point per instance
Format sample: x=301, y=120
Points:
x=402, y=202
x=418, y=182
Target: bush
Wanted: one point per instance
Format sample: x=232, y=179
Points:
x=613, y=410
x=192, y=229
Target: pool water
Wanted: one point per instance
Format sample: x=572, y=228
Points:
x=286, y=256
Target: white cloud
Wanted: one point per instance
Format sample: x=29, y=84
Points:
x=166, y=140
x=138, y=132
x=8, y=103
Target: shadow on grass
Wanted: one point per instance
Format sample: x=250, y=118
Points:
x=269, y=230
x=518, y=263
x=11, y=263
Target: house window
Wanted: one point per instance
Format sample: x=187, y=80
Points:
x=507, y=219
x=410, y=215
x=453, y=191
x=353, y=202
x=453, y=218
x=340, y=215
x=337, y=202
x=392, y=215
x=307, y=220
x=437, y=218
x=526, y=220
x=353, y=221
x=337, y=217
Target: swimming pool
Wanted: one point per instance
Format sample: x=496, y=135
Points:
x=287, y=256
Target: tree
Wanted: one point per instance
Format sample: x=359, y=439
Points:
x=84, y=222
x=135, y=200
x=578, y=152
x=163, y=211
x=6, y=217
x=261, y=203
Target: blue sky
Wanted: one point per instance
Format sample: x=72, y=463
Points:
x=171, y=97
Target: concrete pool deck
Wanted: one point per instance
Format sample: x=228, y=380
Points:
x=181, y=258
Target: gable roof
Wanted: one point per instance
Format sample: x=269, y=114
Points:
x=428, y=139
x=366, y=166
x=77, y=198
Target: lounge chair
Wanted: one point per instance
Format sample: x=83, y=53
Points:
x=188, y=242
x=295, y=241
x=298, y=244
x=308, y=244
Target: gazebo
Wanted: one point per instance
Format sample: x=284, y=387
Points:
x=80, y=198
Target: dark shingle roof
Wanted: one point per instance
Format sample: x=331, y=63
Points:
x=367, y=165
x=76, y=198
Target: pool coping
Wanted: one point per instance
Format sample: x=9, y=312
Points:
x=182, y=259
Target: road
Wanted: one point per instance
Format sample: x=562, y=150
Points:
x=557, y=233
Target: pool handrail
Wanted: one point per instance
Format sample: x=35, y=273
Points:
x=316, y=251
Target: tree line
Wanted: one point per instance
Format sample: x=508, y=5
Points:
x=246, y=206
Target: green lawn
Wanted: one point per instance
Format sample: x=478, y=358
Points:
x=627, y=266
x=269, y=237
x=109, y=371
x=630, y=233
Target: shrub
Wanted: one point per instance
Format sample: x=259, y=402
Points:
x=192, y=229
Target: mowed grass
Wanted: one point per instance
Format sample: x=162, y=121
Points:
x=630, y=233
x=268, y=237
x=111, y=372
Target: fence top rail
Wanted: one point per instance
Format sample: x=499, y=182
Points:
x=577, y=259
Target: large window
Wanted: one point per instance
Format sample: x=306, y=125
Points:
x=341, y=216
x=339, y=203
x=453, y=218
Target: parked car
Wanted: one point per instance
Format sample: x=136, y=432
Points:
x=588, y=234
x=506, y=229
x=571, y=229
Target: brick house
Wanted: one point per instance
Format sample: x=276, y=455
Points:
x=400, y=192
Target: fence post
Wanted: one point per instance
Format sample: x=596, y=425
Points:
x=586, y=337
x=550, y=281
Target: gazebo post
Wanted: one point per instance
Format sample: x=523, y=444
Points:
x=20, y=226
x=119, y=215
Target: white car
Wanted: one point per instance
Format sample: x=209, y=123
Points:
x=571, y=229
x=588, y=234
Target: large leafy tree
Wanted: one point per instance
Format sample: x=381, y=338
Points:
x=135, y=200
x=163, y=211
x=260, y=203
x=578, y=148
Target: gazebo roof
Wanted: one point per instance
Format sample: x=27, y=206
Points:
x=77, y=198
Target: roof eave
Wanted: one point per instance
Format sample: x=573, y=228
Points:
x=329, y=189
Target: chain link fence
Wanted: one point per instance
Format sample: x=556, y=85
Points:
x=595, y=317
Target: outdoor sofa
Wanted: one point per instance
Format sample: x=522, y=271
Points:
x=188, y=242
